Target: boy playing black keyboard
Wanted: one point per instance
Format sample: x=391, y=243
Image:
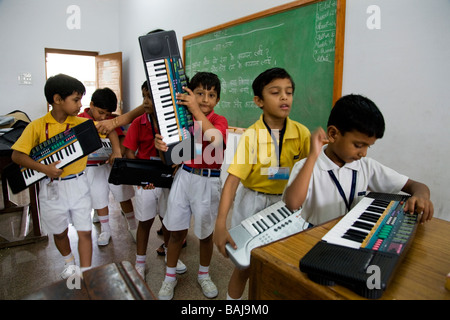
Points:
x=336, y=176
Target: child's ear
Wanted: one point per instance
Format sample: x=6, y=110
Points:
x=57, y=98
x=332, y=132
x=258, y=101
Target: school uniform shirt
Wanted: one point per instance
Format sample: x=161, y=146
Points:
x=209, y=159
x=43, y=129
x=85, y=114
x=324, y=202
x=140, y=137
x=256, y=153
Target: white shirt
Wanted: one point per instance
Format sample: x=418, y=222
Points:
x=323, y=201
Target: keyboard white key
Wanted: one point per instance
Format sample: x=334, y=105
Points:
x=65, y=155
x=270, y=224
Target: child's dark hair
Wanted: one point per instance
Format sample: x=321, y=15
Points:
x=355, y=112
x=267, y=77
x=63, y=85
x=146, y=87
x=105, y=99
x=206, y=79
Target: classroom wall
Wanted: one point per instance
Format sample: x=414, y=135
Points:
x=27, y=27
x=403, y=66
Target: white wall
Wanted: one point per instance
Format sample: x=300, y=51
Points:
x=27, y=27
x=403, y=66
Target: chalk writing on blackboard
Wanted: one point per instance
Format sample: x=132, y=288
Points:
x=325, y=33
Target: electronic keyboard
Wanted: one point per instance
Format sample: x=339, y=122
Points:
x=103, y=153
x=268, y=225
x=376, y=233
x=165, y=78
x=140, y=172
x=67, y=147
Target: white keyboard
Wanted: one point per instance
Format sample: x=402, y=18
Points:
x=65, y=155
x=272, y=223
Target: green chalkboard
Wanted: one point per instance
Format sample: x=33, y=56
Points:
x=302, y=37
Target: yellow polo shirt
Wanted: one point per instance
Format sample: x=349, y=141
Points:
x=256, y=153
x=35, y=134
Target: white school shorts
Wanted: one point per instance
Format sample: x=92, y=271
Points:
x=72, y=205
x=98, y=182
x=149, y=203
x=192, y=194
x=248, y=202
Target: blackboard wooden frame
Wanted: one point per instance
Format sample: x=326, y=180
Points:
x=339, y=38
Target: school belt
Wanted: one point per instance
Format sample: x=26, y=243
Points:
x=202, y=172
x=69, y=177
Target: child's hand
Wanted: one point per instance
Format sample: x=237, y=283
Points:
x=160, y=144
x=318, y=140
x=188, y=100
x=105, y=127
x=112, y=156
x=150, y=186
x=422, y=205
x=221, y=238
x=52, y=171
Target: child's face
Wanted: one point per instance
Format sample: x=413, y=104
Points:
x=71, y=105
x=277, y=97
x=349, y=147
x=206, y=99
x=99, y=114
x=147, y=102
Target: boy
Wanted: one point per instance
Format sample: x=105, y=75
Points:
x=103, y=104
x=354, y=124
x=265, y=154
x=149, y=201
x=196, y=186
x=64, y=193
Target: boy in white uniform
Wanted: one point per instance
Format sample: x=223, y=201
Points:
x=334, y=177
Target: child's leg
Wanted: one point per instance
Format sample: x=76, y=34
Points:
x=128, y=212
x=105, y=234
x=174, y=247
x=85, y=249
x=237, y=283
x=142, y=236
x=206, y=249
x=62, y=242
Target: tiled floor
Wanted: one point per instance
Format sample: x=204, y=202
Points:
x=27, y=268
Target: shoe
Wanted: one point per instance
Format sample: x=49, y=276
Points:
x=133, y=234
x=103, y=238
x=95, y=218
x=140, y=270
x=166, y=291
x=159, y=231
x=161, y=251
x=181, y=267
x=208, y=287
x=69, y=270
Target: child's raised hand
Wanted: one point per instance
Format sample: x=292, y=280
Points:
x=318, y=140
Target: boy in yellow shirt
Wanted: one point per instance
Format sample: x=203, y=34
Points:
x=266, y=153
x=64, y=193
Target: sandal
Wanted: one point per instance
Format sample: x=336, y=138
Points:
x=161, y=250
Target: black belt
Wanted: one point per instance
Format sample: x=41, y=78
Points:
x=69, y=177
x=203, y=172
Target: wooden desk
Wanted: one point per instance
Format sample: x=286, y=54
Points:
x=275, y=272
x=114, y=281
